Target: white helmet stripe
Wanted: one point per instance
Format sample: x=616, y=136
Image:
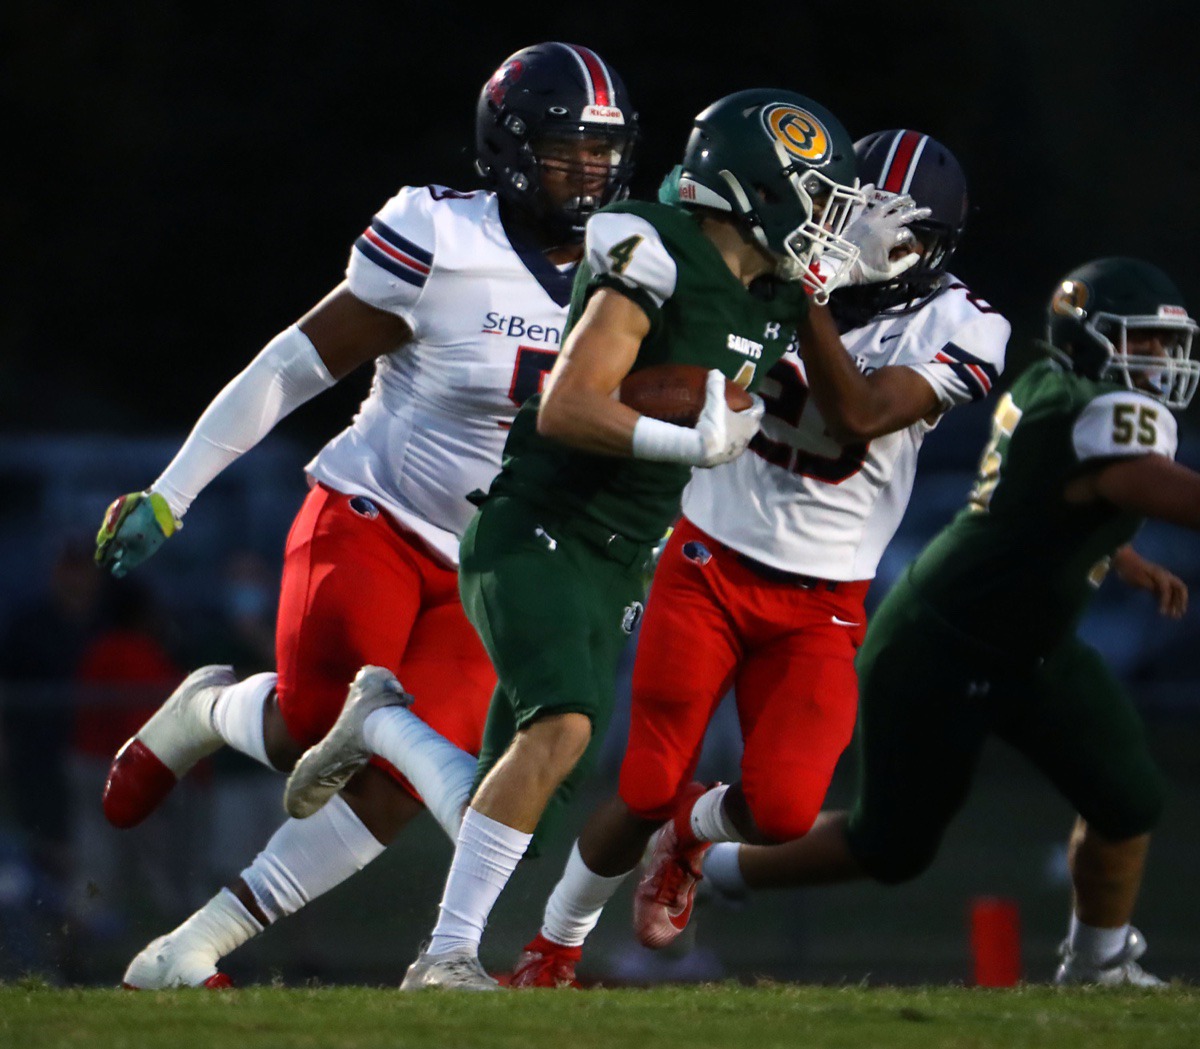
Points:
x=912, y=164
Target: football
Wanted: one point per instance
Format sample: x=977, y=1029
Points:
x=674, y=392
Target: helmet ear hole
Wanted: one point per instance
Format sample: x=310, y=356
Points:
x=765, y=194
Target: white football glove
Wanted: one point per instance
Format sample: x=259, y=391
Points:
x=723, y=432
x=877, y=231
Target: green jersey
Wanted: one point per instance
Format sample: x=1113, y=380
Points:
x=700, y=313
x=1017, y=566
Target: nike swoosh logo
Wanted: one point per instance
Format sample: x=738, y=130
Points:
x=679, y=919
x=885, y=338
x=843, y=622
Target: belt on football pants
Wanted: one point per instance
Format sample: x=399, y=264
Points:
x=613, y=545
x=778, y=575
x=625, y=551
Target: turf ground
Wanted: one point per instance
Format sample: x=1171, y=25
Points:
x=728, y=1016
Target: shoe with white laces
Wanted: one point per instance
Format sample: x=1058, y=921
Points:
x=1121, y=970
x=544, y=963
x=162, y=965
x=177, y=736
x=328, y=765
x=452, y=971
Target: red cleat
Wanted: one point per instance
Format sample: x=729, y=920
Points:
x=179, y=734
x=544, y=963
x=137, y=784
x=663, y=901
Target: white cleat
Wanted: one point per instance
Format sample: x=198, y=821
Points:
x=1122, y=970
x=452, y=971
x=176, y=737
x=161, y=966
x=327, y=766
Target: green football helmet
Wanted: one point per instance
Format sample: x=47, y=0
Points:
x=785, y=166
x=1095, y=308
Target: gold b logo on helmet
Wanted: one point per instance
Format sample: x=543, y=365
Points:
x=800, y=133
x=1070, y=299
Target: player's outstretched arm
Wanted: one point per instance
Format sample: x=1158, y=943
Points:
x=1148, y=485
x=859, y=407
x=329, y=342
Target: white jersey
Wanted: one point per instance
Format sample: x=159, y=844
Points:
x=487, y=317
x=800, y=501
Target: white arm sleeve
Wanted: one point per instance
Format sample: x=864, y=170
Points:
x=282, y=377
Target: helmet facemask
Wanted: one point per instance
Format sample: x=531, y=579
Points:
x=817, y=253
x=813, y=252
x=1171, y=378
x=598, y=160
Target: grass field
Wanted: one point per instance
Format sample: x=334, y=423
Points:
x=728, y=1016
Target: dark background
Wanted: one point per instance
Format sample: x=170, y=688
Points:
x=181, y=183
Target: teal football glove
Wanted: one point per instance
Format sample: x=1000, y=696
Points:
x=134, y=527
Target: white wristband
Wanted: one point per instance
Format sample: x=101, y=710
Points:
x=286, y=373
x=666, y=443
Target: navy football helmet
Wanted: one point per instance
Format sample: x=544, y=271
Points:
x=540, y=100
x=910, y=162
x=1097, y=306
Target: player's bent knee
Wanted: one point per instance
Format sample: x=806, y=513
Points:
x=896, y=868
x=1137, y=814
x=781, y=822
x=649, y=789
x=890, y=861
x=556, y=741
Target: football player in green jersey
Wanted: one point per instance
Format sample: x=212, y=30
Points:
x=979, y=636
x=552, y=565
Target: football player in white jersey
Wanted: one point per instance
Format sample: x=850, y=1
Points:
x=761, y=587
x=460, y=299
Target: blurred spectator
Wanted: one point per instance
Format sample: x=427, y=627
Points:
x=123, y=676
x=40, y=648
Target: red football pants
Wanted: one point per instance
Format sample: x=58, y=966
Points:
x=357, y=589
x=712, y=623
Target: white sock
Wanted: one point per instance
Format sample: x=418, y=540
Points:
x=722, y=869
x=438, y=770
x=306, y=858
x=577, y=901
x=486, y=856
x=1095, y=944
x=216, y=929
x=237, y=715
x=708, y=820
